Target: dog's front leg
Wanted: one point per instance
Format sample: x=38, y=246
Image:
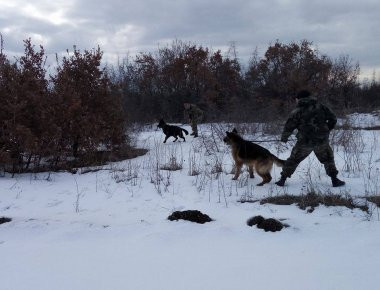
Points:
x=250, y=168
x=237, y=171
x=166, y=138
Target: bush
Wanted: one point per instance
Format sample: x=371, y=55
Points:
x=44, y=123
x=89, y=114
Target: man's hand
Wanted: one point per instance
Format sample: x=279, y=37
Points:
x=330, y=125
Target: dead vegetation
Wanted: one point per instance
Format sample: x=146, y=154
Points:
x=312, y=200
x=374, y=199
x=172, y=165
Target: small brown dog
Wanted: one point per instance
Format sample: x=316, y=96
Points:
x=252, y=155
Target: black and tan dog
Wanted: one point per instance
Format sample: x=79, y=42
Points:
x=252, y=155
x=171, y=131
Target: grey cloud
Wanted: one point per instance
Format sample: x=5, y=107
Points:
x=335, y=26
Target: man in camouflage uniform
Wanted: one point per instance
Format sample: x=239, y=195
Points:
x=194, y=115
x=314, y=122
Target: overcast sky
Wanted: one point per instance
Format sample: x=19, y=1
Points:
x=336, y=27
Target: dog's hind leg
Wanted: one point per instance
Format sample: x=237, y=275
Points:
x=263, y=170
x=268, y=178
x=181, y=136
x=265, y=179
x=176, y=138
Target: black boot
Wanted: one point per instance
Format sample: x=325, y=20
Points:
x=337, y=182
x=281, y=182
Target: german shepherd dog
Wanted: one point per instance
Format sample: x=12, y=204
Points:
x=172, y=131
x=252, y=155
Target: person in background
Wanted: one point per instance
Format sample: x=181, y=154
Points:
x=193, y=115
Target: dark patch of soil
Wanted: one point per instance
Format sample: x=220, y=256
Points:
x=102, y=157
x=255, y=220
x=89, y=159
x=312, y=200
x=4, y=220
x=268, y=225
x=190, y=215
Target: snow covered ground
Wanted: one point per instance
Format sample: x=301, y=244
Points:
x=109, y=229
x=362, y=119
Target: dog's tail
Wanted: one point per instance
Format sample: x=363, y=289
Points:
x=186, y=132
x=279, y=162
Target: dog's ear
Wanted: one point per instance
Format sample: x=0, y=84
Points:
x=234, y=131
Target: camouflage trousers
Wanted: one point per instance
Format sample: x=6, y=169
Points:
x=194, y=126
x=301, y=150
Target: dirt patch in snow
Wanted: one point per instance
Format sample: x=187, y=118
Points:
x=268, y=225
x=190, y=215
x=4, y=220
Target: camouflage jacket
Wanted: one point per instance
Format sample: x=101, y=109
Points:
x=313, y=121
x=193, y=113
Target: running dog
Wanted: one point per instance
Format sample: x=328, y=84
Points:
x=172, y=131
x=252, y=155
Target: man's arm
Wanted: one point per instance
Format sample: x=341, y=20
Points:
x=330, y=118
x=290, y=125
x=185, y=115
x=200, y=114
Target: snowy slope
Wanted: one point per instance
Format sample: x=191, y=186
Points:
x=109, y=229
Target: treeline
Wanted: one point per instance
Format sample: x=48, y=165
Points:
x=156, y=84
x=82, y=108
x=46, y=121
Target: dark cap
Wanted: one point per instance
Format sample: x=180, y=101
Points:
x=303, y=94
